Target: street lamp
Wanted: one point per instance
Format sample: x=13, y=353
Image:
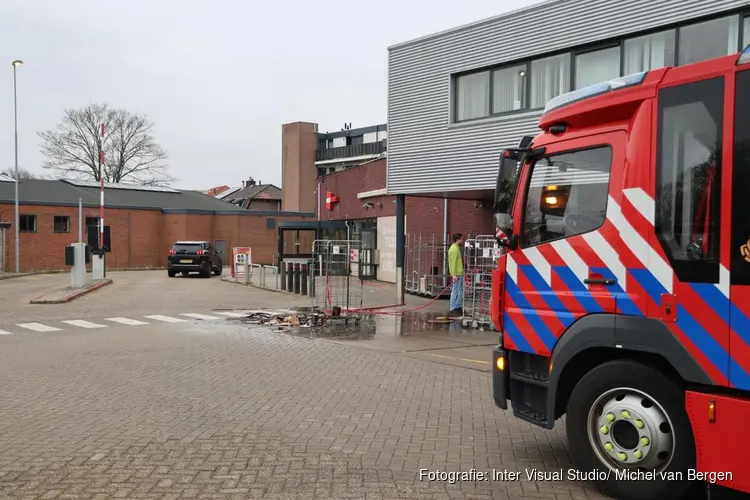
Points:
x=16, y=63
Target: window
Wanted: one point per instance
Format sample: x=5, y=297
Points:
x=550, y=77
x=649, y=52
x=473, y=96
x=707, y=40
x=27, y=223
x=92, y=221
x=740, y=263
x=567, y=195
x=509, y=89
x=688, y=179
x=597, y=67
x=746, y=32
x=189, y=248
x=62, y=224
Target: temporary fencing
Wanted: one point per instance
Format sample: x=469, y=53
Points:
x=336, y=284
x=481, y=255
x=426, y=271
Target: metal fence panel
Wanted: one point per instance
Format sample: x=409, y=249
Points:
x=335, y=277
x=481, y=255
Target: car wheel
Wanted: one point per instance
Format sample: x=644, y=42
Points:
x=206, y=270
x=218, y=271
x=171, y=273
x=624, y=417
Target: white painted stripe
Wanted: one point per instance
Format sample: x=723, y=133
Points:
x=511, y=269
x=38, y=327
x=723, y=284
x=649, y=257
x=572, y=259
x=126, y=321
x=166, y=319
x=84, y=324
x=642, y=202
x=233, y=314
x=540, y=264
x=608, y=255
x=199, y=316
x=3, y=332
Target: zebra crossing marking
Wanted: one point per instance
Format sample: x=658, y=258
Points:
x=166, y=319
x=233, y=314
x=38, y=327
x=80, y=323
x=83, y=323
x=199, y=316
x=126, y=321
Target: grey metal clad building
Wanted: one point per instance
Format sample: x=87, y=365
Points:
x=457, y=97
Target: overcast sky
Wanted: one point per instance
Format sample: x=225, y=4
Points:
x=217, y=78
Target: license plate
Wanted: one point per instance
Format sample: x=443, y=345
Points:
x=186, y=261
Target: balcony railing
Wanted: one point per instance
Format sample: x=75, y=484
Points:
x=366, y=149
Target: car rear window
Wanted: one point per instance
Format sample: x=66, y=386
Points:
x=187, y=248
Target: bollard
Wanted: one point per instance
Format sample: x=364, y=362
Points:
x=304, y=275
x=311, y=278
x=296, y=278
x=282, y=271
x=290, y=278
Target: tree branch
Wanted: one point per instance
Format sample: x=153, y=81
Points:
x=131, y=153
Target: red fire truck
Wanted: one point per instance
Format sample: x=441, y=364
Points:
x=623, y=297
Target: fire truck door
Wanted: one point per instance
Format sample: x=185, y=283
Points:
x=565, y=266
x=739, y=313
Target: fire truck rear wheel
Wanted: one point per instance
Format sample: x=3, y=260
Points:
x=625, y=419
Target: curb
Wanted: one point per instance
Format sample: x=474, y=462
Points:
x=72, y=296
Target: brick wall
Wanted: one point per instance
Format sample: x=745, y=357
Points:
x=423, y=215
x=346, y=184
x=140, y=238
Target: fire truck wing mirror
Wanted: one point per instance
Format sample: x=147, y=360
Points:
x=503, y=228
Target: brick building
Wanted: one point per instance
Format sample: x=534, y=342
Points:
x=143, y=223
x=363, y=202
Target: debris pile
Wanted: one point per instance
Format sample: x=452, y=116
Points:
x=283, y=321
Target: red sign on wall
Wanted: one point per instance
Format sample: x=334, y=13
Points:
x=331, y=200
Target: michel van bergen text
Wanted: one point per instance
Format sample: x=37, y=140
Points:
x=570, y=475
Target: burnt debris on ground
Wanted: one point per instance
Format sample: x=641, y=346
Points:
x=299, y=319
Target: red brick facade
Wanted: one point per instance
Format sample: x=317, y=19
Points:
x=140, y=238
x=423, y=215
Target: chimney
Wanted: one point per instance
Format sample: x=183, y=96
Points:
x=250, y=182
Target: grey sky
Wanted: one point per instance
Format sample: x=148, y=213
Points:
x=217, y=78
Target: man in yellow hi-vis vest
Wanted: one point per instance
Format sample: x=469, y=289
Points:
x=456, y=270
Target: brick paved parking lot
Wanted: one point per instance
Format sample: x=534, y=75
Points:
x=216, y=409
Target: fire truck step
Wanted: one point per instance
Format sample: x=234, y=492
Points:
x=530, y=377
x=528, y=387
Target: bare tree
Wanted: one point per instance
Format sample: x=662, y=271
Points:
x=22, y=173
x=131, y=154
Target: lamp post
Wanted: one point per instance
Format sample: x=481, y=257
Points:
x=16, y=63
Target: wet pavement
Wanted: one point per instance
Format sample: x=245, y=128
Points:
x=424, y=335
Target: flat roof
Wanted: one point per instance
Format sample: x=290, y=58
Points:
x=474, y=24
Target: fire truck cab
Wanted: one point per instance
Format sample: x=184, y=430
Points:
x=623, y=296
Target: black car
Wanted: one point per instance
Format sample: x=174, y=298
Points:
x=194, y=257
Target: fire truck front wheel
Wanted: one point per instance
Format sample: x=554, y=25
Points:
x=629, y=433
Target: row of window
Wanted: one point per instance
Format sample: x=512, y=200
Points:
x=564, y=202
x=60, y=224
x=530, y=84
